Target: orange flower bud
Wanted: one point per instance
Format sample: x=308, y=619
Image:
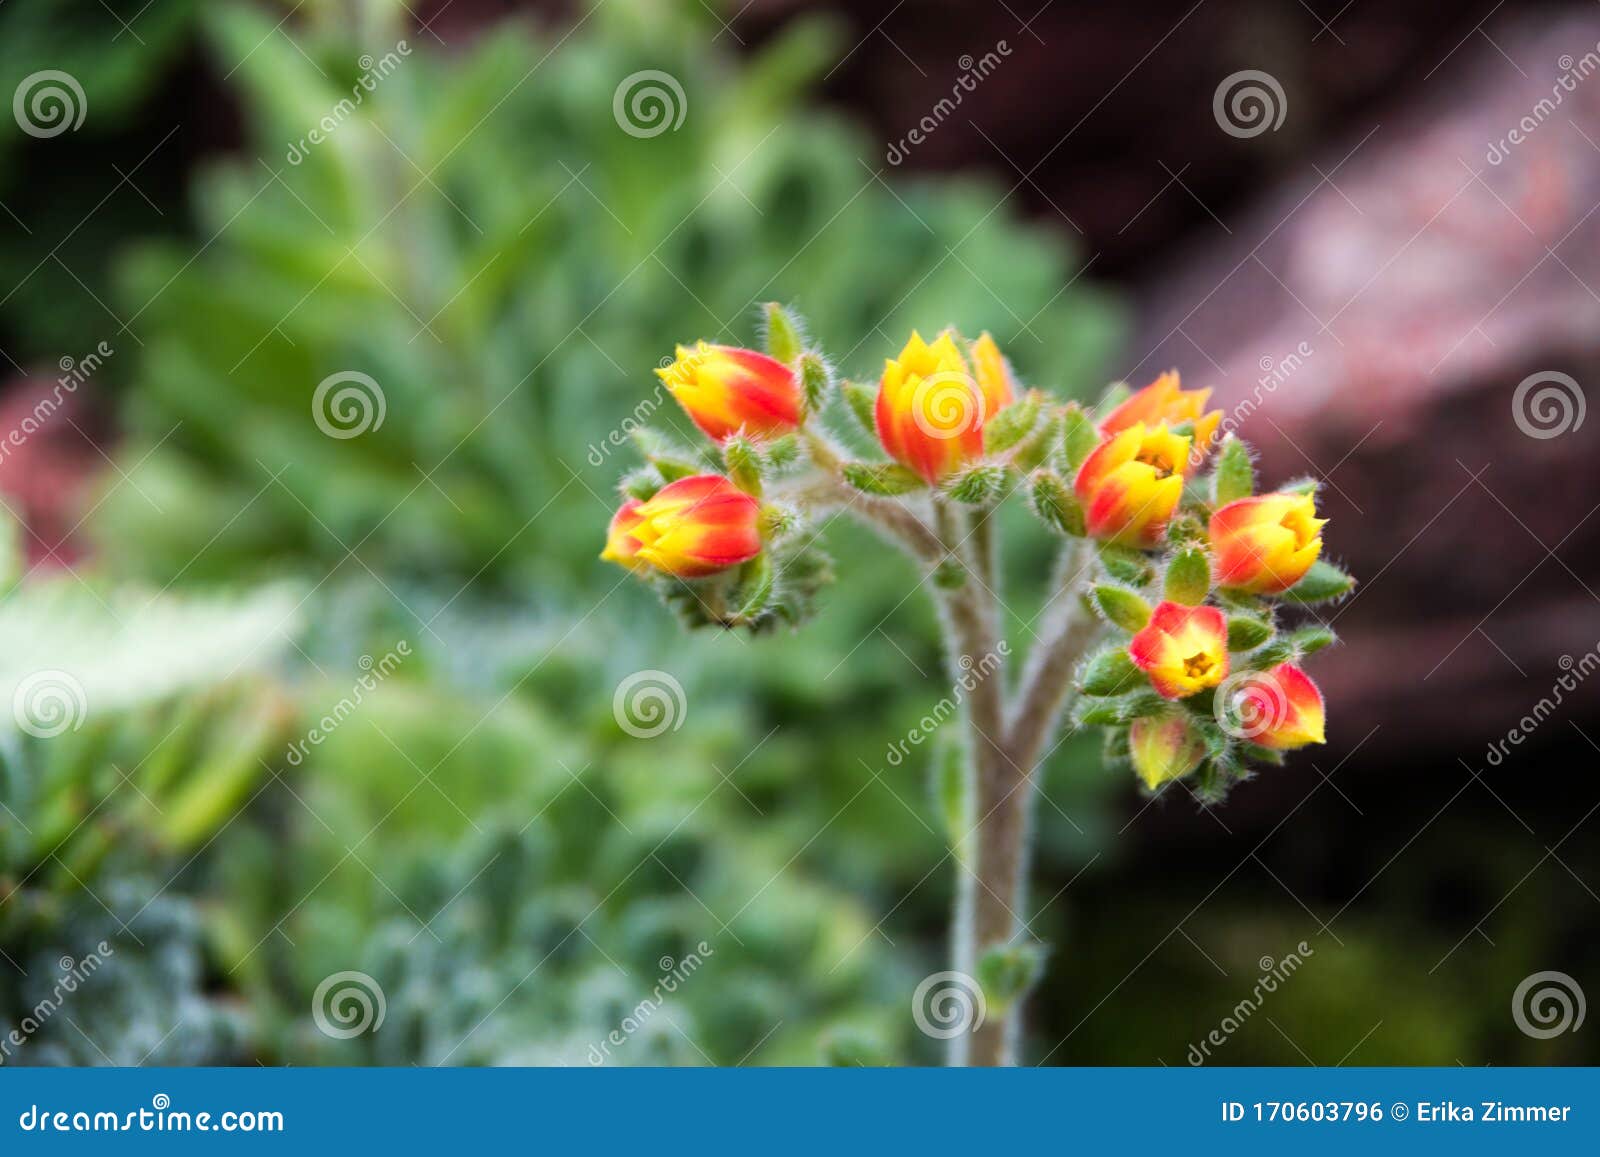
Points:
x=1164, y=749
x=692, y=528
x=1131, y=483
x=1184, y=650
x=1264, y=545
x=932, y=405
x=725, y=390
x=1163, y=400
x=1281, y=709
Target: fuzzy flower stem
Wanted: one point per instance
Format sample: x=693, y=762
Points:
x=884, y=514
x=1046, y=685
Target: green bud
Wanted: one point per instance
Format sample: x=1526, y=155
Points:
x=1079, y=436
x=816, y=379
x=1322, y=583
x=1053, y=501
x=743, y=463
x=1121, y=606
x=1234, y=477
x=863, y=403
x=755, y=587
x=980, y=485
x=777, y=521
x=1011, y=425
x=1110, y=672
x=883, y=479
x=1188, y=577
x=1006, y=972
x=1246, y=633
x=785, y=332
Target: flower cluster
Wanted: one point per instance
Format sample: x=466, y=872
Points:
x=1205, y=683
x=1189, y=562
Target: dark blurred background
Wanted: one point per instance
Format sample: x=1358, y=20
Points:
x=1365, y=286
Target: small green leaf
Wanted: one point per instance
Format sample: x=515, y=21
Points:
x=1235, y=477
x=1121, y=606
x=1280, y=650
x=1125, y=564
x=1052, y=500
x=642, y=483
x=785, y=332
x=755, y=587
x=1079, y=436
x=1323, y=582
x=1254, y=753
x=1300, y=486
x=1006, y=972
x=1310, y=640
x=1245, y=632
x=883, y=479
x=1011, y=425
x=782, y=451
x=1188, y=577
x=1111, y=672
x=979, y=485
x=863, y=403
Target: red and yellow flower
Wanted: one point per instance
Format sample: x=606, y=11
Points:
x=1164, y=748
x=1264, y=545
x=1280, y=709
x=725, y=389
x=691, y=528
x=1164, y=400
x=1183, y=650
x=932, y=404
x=1131, y=483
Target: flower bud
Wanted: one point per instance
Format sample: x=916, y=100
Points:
x=725, y=389
x=1280, y=709
x=1130, y=485
x=1266, y=544
x=932, y=404
x=1183, y=650
x=1164, y=748
x=1164, y=401
x=692, y=528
